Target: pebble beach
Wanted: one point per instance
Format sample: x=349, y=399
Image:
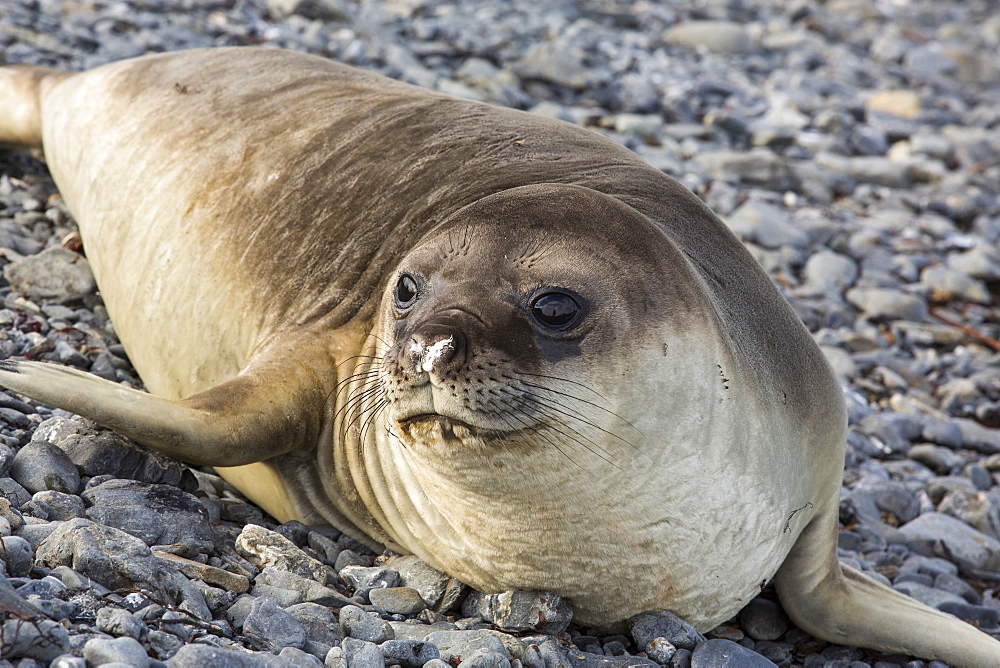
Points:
x=854, y=147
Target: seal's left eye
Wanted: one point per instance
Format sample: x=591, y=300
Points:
x=555, y=310
x=406, y=292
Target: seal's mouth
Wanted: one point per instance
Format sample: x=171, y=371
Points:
x=435, y=425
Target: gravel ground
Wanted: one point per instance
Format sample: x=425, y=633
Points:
x=854, y=145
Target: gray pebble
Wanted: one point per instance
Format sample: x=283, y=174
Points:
x=118, y=622
x=485, y=659
x=55, y=274
x=361, y=577
x=942, y=535
x=304, y=590
x=266, y=548
x=397, y=600
x=271, y=628
x=409, y=653
x=763, y=620
x=17, y=553
x=649, y=626
x=362, y=654
x=357, y=623
x=101, y=651
x=199, y=656
x=42, y=639
x=719, y=653
x=42, y=466
x=520, y=610
x=57, y=505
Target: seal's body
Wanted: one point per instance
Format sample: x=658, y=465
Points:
x=497, y=341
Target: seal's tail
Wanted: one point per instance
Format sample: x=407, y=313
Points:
x=21, y=90
x=837, y=603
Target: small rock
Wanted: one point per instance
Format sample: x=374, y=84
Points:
x=485, y=659
x=230, y=581
x=17, y=553
x=397, y=600
x=719, y=653
x=43, y=639
x=362, y=577
x=265, y=548
x=55, y=274
x=199, y=656
x=456, y=645
x=319, y=622
x=521, y=610
x=118, y=622
x=904, y=103
x=128, y=651
x=649, y=626
x=944, y=536
x=763, y=620
x=715, y=36
x=42, y=466
x=357, y=623
x=106, y=555
x=884, y=303
x=308, y=591
x=362, y=654
x=409, y=653
x=58, y=505
x=270, y=628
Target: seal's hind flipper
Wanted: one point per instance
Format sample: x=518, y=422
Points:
x=240, y=421
x=21, y=89
x=838, y=604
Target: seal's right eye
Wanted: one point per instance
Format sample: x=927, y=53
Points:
x=406, y=292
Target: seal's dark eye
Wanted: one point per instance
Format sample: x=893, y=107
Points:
x=406, y=292
x=555, y=310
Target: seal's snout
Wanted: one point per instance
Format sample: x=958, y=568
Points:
x=433, y=348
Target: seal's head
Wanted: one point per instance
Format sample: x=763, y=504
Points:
x=498, y=335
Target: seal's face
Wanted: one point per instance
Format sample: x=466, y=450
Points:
x=495, y=330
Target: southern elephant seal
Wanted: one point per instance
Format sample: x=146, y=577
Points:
x=459, y=331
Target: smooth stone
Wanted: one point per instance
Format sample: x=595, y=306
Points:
x=307, y=590
x=199, y=656
x=156, y=514
x=435, y=587
x=926, y=594
x=883, y=303
x=766, y=225
x=58, y=505
x=103, y=651
x=40, y=466
x=944, y=536
x=756, y=167
x=648, y=626
x=975, y=508
x=904, y=103
x=947, y=284
x=319, y=622
x=456, y=645
x=17, y=553
x=763, y=620
x=397, y=600
x=485, y=659
x=715, y=36
x=719, y=653
x=356, y=623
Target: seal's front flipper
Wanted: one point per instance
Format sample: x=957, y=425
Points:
x=839, y=604
x=251, y=418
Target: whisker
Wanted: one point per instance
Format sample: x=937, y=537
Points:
x=583, y=401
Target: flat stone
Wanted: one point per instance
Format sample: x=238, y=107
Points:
x=903, y=103
x=949, y=538
x=265, y=548
x=156, y=514
x=715, y=36
x=367, y=577
x=309, y=591
x=397, y=600
x=128, y=651
x=430, y=583
x=458, y=644
x=719, y=653
x=884, y=303
x=210, y=574
x=485, y=659
x=199, y=656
